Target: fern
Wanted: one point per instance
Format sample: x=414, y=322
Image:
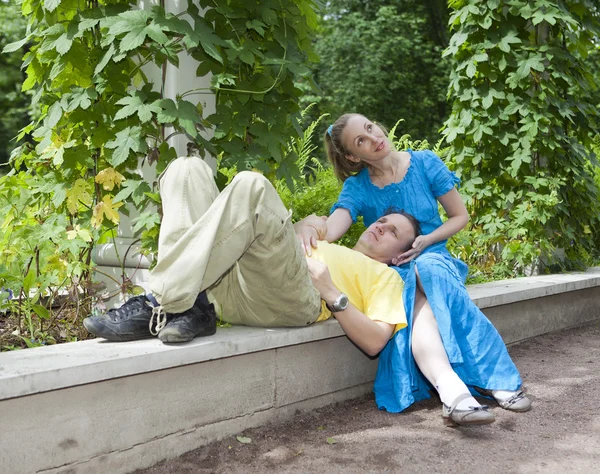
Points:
x=304, y=147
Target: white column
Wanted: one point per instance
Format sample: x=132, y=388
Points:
x=110, y=257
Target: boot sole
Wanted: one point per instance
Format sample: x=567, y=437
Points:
x=450, y=422
x=105, y=333
x=175, y=338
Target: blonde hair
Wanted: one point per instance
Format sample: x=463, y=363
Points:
x=337, y=153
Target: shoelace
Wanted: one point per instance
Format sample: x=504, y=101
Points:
x=161, y=319
x=133, y=303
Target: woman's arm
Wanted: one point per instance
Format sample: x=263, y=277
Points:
x=338, y=224
x=309, y=230
x=457, y=220
x=371, y=336
x=458, y=217
x=313, y=228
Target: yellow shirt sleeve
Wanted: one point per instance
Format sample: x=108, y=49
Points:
x=385, y=304
x=372, y=287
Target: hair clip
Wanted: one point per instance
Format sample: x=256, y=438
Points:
x=329, y=130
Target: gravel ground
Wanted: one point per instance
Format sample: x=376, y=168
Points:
x=561, y=372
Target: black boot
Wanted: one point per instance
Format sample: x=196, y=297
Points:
x=198, y=321
x=127, y=323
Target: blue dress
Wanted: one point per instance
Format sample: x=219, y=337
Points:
x=474, y=346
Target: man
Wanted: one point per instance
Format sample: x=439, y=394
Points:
x=241, y=246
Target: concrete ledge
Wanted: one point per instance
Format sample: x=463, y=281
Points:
x=520, y=289
x=94, y=406
x=55, y=367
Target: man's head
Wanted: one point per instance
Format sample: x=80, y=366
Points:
x=389, y=236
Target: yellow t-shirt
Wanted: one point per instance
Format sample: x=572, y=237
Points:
x=372, y=287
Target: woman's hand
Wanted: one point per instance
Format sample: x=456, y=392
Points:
x=309, y=230
x=420, y=244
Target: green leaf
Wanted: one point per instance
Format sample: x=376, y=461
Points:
x=156, y=33
x=534, y=62
x=471, y=69
x=12, y=47
x=512, y=108
x=154, y=196
x=29, y=343
x=35, y=73
x=257, y=26
x=105, y=59
x=502, y=64
x=63, y=44
x=146, y=220
x=41, y=311
x=58, y=157
x=127, y=140
x=243, y=439
x=87, y=24
x=54, y=114
x=182, y=113
x=50, y=5
x=459, y=38
x=486, y=22
x=136, y=189
x=270, y=17
x=135, y=104
x=247, y=57
x=82, y=98
x=541, y=15
x=331, y=441
x=133, y=39
x=129, y=21
x=59, y=191
x=203, y=36
x=28, y=281
x=487, y=101
x=506, y=41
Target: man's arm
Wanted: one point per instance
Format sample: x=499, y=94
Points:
x=371, y=336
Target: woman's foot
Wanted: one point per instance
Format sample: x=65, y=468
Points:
x=474, y=414
x=512, y=400
x=459, y=406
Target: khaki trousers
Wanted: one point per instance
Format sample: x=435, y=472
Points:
x=239, y=244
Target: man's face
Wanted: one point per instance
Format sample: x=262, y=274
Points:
x=386, y=238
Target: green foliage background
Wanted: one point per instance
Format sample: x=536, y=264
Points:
x=383, y=59
x=521, y=129
x=13, y=102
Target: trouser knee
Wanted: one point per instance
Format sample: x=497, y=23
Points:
x=180, y=168
x=256, y=188
x=251, y=178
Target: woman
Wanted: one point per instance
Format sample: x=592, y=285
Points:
x=375, y=177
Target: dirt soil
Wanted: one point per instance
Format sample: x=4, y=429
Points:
x=561, y=372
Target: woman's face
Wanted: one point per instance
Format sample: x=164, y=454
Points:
x=364, y=140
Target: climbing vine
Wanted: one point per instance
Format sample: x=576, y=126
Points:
x=98, y=116
x=522, y=124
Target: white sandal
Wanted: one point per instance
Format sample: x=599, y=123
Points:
x=473, y=416
x=519, y=402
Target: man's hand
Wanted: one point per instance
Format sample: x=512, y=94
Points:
x=420, y=243
x=321, y=278
x=309, y=230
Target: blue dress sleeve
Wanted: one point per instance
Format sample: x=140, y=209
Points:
x=351, y=198
x=441, y=179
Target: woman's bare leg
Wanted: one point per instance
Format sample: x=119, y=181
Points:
x=431, y=358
